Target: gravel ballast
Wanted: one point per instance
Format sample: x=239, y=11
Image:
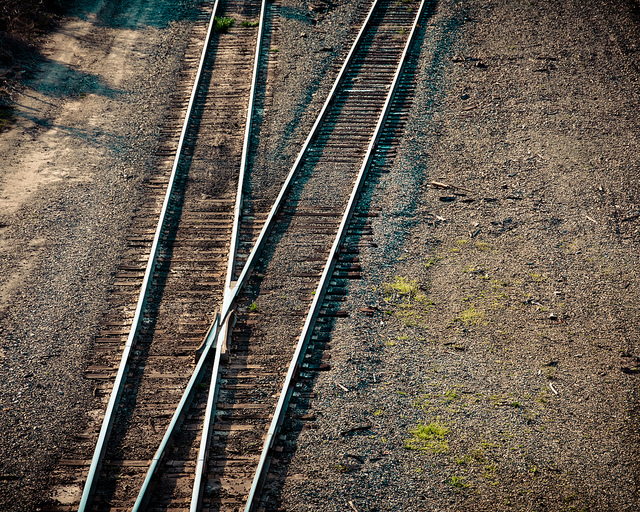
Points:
x=500, y=369
x=87, y=124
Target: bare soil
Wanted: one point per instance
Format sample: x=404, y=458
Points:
x=23, y=25
x=87, y=120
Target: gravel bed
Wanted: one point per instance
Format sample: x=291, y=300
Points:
x=88, y=123
x=529, y=107
x=298, y=87
x=499, y=372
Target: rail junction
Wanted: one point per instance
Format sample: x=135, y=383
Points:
x=202, y=382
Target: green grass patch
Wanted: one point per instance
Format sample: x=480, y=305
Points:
x=250, y=23
x=450, y=395
x=457, y=481
x=475, y=456
x=470, y=316
x=222, y=24
x=538, y=278
x=403, y=286
x=431, y=262
x=430, y=438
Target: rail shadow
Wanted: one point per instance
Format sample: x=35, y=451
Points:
x=22, y=61
x=384, y=159
x=62, y=80
x=138, y=14
x=324, y=58
x=305, y=174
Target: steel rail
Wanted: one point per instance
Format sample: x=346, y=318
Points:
x=232, y=288
x=231, y=291
x=244, y=163
x=118, y=386
x=244, y=275
x=145, y=490
x=314, y=309
x=218, y=324
x=221, y=335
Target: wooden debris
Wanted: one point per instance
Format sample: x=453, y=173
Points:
x=439, y=184
x=357, y=428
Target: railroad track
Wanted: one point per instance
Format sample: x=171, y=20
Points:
x=182, y=283
x=205, y=428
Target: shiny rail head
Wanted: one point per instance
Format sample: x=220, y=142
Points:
x=105, y=431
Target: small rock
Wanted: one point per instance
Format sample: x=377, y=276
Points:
x=464, y=97
x=552, y=316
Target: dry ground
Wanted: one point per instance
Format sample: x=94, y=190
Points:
x=87, y=121
x=501, y=371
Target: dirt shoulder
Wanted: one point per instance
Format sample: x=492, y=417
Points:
x=23, y=25
x=501, y=369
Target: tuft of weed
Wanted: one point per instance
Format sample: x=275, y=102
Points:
x=475, y=456
x=450, y=395
x=457, y=481
x=538, y=278
x=428, y=438
x=250, y=23
x=403, y=286
x=470, y=316
x=222, y=24
x=431, y=262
